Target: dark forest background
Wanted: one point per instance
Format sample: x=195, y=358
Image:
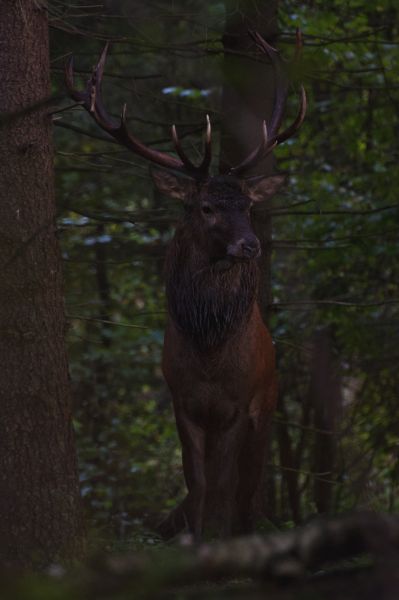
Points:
x=334, y=311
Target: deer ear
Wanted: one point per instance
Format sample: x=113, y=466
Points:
x=172, y=185
x=262, y=189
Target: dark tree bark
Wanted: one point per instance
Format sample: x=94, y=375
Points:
x=103, y=285
x=325, y=395
x=287, y=461
x=39, y=497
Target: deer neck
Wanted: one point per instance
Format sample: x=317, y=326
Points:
x=208, y=301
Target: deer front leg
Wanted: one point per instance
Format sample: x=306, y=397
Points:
x=222, y=455
x=252, y=465
x=192, y=439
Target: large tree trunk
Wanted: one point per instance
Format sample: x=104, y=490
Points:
x=40, y=518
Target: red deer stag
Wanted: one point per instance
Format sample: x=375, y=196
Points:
x=218, y=357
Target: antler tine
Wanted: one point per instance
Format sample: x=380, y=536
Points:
x=68, y=72
x=289, y=132
x=206, y=161
x=94, y=92
x=275, y=138
x=281, y=82
x=91, y=100
x=179, y=150
x=260, y=152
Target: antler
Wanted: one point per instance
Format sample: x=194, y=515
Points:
x=271, y=140
x=91, y=100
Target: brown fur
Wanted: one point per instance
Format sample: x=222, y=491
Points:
x=218, y=361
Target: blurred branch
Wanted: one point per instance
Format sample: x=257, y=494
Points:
x=319, y=476
x=278, y=305
x=332, y=240
x=356, y=38
x=281, y=556
x=107, y=322
x=9, y=117
x=322, y=213
x=82, y=72
x=308, y=428
x=96, y=136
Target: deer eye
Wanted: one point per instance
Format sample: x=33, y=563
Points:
x=206, y=209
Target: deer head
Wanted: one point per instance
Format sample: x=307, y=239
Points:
x=218, y=211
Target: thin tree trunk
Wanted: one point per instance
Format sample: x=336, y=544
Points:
x=39, y=498
x=287, y=461
x=325, y=394
x=248, y=94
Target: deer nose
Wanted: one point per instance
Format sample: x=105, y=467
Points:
x=251, y=248
x=244, y=248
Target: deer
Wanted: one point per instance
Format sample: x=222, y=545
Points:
x=218, y=355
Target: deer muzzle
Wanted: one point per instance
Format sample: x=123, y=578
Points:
x=244, y=249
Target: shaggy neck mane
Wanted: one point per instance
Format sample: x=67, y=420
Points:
x=207, y=304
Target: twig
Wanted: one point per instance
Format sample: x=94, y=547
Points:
x=106, y=322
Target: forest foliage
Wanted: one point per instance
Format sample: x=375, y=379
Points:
x=334, y=316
